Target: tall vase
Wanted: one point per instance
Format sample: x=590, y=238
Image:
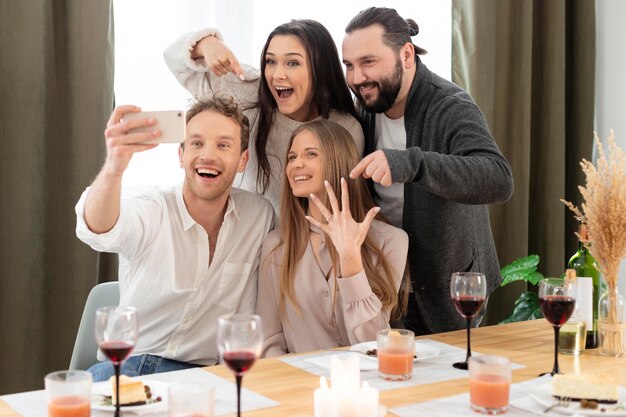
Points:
x=612, y=323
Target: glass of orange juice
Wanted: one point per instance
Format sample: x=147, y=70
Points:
x=68, y=393
x=188, y=399
x=395, y=350
x=490, y=381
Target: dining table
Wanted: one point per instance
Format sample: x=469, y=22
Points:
x=285, y=385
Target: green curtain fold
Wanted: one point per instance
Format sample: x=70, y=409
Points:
x=56, y=93
x=530, y=66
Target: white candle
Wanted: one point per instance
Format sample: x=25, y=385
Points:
x=367, y=401
x=345, y=398
x=345, y=374
x=324, y=401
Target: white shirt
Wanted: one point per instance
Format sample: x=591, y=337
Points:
x=390, y=134
x=164, y=268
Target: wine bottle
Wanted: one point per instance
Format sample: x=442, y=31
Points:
x=572, y=336
x=585, y=266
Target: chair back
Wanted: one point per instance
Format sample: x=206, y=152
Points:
x=85, y=347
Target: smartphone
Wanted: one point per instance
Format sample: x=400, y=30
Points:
x=171, y=123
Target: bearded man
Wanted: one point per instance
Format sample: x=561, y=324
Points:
x=433, y=163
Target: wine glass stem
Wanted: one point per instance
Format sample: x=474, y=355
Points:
x=238, y=379
x=555, y=369
x=468, y=321
x=116, y=366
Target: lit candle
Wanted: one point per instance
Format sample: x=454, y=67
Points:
x=345, y=398
x=367, y=401
x=324, y=401
x=345, y=374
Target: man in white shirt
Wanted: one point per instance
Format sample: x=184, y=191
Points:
x=187, y=254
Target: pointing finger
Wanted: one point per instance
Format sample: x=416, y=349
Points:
x=361, y=166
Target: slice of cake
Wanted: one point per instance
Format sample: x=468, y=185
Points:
x=584, y=387
x=132, y=392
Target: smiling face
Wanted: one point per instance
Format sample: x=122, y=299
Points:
x=288, y=76
x=211, y=157
x=305, y=166
x=374, y=72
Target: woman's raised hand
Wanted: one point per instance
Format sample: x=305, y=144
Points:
x=346, y=233
x=218, y=57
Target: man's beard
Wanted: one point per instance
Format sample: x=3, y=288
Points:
x=388, y=89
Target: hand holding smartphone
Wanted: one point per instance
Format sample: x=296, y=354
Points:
x=171, y=123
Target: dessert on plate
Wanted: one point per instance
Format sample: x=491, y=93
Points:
x=584, y=388
x=132, y=392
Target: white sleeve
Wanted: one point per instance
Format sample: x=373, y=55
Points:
x=199, y=80
x=134, y=230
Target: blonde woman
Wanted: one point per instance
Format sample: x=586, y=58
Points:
x=330, y=274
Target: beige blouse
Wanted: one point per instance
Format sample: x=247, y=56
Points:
x=357, y=312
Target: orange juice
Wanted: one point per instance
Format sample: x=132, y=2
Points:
x=395, y=362
x=70, y=406
x=489, y=391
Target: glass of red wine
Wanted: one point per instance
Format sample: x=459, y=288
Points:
x=558, y=299
x=239, y=342
x=468, y=291
x=116, y=330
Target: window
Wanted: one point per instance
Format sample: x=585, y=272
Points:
x=144, y=28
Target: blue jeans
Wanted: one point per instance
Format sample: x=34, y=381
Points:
x=138, y=365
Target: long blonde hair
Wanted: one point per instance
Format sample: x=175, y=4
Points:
x=339, y=156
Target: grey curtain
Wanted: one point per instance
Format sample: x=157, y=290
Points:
x=56, y=93
x=530, y=66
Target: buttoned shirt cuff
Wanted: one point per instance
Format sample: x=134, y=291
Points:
x=354, y=288
x=190, y=43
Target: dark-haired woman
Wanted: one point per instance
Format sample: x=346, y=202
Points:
x=300, y=80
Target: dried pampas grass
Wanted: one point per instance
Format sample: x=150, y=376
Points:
x=604, y=213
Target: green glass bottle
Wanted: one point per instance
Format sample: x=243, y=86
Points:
x=585, y=266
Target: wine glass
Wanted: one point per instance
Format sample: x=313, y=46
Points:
x=116, y=333
x=558, y=299
x=239, y=342
x=468, y=291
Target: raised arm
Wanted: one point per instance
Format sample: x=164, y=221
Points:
x=362, y=310
x=204, y=65
x=217, y=57
x=464, y=164
x=102, y=206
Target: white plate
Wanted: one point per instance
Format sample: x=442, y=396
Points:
x=422, y=351
x=543, y=395
x=158, y=389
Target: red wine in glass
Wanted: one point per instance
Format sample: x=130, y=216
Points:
x=239, y=361
x=239, y=341
x=558, y=299
x=467, y=305
x=116, y=330
x=557, y=309
x=468, y=291
x=116, y=351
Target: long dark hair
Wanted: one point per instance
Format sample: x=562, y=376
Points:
x=329, y=88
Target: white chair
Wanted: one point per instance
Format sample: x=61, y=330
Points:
x=85, y=347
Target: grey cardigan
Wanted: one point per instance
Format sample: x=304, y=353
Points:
x=451, y=169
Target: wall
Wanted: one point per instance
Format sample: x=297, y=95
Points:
x=610, y=79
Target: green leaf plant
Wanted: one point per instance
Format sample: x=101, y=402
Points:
x=527, y=306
